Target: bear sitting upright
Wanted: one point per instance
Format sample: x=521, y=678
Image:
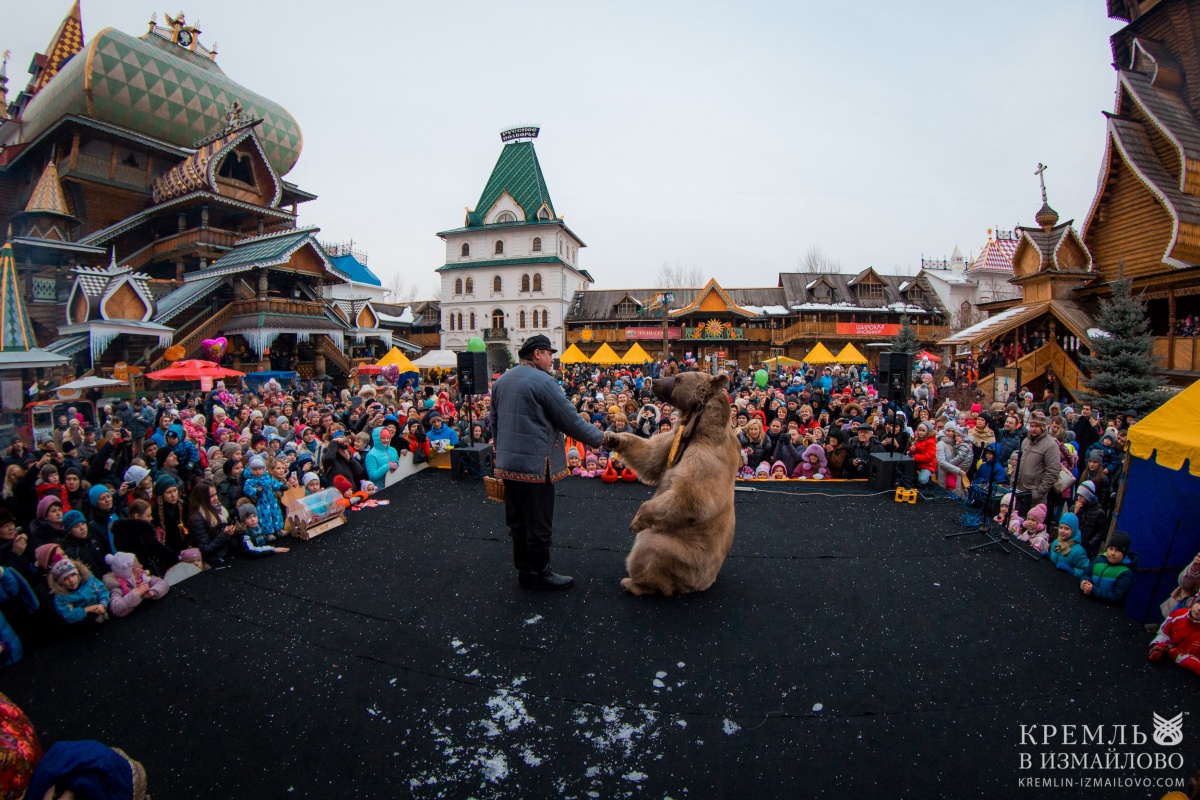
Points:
x=685, y=530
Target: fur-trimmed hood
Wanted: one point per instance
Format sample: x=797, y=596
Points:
x=84, y=574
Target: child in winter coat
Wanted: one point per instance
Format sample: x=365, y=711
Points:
x=128, y=584
x=1179, y=639
x=382, y=458
x=924, y=453
x=990, y=473
x=255, y=542
x=1014, y=521
x=260, y=488
x=48, y=486
x=1093, y=521
x=1033, y=529
x=78, y=596
x=48, y=527
x=778, y=471
x=82, y=545
x=812, y=464
x=1067, y=553
x=1111, y=576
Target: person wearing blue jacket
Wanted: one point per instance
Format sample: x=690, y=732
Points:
x=13, y=587
x=1067, y=552
x=991, y=472
x=382, y=457
x=1111, y=575
x=1107, y=448
x=185, y=451
x=78, y=595
x=441, y=432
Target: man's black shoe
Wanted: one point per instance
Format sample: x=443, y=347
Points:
x=547, y=579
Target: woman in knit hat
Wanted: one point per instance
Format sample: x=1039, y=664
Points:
x=1093, y=521
x=100, y=509
x=81, y=545
x=137, y=485
x=48, y=527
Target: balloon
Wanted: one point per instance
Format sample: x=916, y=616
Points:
x=476, y=345
x=760, y=378
x=391, y=373
x=215, y=348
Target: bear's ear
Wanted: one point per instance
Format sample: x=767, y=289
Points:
x=719, y=381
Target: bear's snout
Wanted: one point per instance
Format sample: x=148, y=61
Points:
x=663, y=387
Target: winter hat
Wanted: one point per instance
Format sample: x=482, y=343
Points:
x=135, y=475
x=190, y=555
x=68, y=446
x=573, y=452
x=591, y=462
x=245, y=510
x=341, y=484
x=211, y=452
x=1038, y=513
x=926, y=427
x=44, y=505
x=311, y=477
x=62, y=568
x=73, y=518
x=1095, y=456
x=230, y=450
x=163, y=483
x=121, y=565
x=1087, y=490
x=42, y=555
x=1120, y=540
x=976, y=408
x=258, y=462
x=96, y=492
x=762, y=471
x=1072, y=521
x=256, y=438
x=779, y=465
x=47, y=472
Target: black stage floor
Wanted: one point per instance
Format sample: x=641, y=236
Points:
x=846, y=647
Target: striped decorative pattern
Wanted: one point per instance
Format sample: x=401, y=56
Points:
x=16, y=332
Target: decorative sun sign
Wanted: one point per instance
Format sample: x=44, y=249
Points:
x=586, y=335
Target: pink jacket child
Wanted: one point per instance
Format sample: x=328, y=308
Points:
x=125, y=581
x=1033, y=529
x=813, y=464
x=1015, y=523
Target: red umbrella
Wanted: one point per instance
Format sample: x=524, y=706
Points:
x=369, y=369
x=193, y=370
x=929, y=355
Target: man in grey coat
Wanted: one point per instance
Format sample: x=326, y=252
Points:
x=531, y=414
x=1040, y=461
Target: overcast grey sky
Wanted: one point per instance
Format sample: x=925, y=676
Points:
x=730, y=136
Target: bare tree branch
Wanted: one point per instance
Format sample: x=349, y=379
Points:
x=679, y=276
x=401, y=291
x=815, y=259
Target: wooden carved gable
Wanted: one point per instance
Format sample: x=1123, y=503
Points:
x=125, y=300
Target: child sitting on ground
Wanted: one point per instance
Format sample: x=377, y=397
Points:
x=1033, y=529
x=255, y=543
x=1111, y=576
x=1179, y=639
x=128, y=584
x=1067, y=553
x=79, y=598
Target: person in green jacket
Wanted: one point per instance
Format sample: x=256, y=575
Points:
x=1067, y=552
x=1111, y=576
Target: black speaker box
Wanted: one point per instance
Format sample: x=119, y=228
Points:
x=889, y=468
x=470, y=461
x=472, y=373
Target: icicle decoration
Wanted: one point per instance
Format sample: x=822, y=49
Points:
x=260, y=339
x=100, y=339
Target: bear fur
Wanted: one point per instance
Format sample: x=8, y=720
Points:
x=686, y=529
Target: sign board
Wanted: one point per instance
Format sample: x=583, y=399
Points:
x=651, y=334
x=1006, y=381
x=867, y=329
x=206, y=383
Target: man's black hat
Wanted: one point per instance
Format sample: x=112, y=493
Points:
x=538, y=342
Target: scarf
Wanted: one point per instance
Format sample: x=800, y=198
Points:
x=1062, y=548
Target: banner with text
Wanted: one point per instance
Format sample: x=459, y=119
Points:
x=867, y=329
x=652, y=334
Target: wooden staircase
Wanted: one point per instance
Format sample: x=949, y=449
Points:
x=334, y=355
x=1034, y=365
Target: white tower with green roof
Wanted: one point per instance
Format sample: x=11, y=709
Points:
x=513, y=268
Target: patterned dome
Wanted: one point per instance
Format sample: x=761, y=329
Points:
x=1046, y=216
x=158, y=89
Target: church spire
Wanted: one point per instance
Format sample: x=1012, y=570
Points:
x=1046, y=216
x=66, y=42
x=16, y=331
x=47, y=196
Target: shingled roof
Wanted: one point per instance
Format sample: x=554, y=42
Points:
x=801, y=290
x=517, y=172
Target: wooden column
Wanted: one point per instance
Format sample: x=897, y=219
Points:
x=1171, y=327
x=74, y=152
x=262, y=284
x=112, y=165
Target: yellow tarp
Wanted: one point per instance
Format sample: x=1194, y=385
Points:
x=850, y=355
x=395, y=356
x=605, y=356
x=572, y=355
x=781, y=361
x=636, y=355
x=819, y=355
x=1171, y=432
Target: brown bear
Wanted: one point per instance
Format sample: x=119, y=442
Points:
x=685, y=530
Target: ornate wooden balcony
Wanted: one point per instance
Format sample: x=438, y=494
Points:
x=278, y=305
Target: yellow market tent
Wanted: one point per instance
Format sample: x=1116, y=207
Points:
x=394, y=356
x=1167, y=434
x=850, y=355
x=636, y=355
x=605, y=356
x=819, y=355
x=781, y=361
x=572, y=355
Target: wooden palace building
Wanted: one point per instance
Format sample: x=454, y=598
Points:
x=144, y=194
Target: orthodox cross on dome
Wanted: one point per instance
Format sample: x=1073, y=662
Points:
x=1040, y=172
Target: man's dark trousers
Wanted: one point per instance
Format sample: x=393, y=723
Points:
x=529, y=513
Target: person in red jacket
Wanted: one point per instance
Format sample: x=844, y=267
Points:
x=1179, y=639
x=924, y=452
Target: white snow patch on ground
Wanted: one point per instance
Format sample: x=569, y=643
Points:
x=534, y=619
x=508, y=710
x=494, y=766
x=730, y=727
x=635, y=776
x=658, y=684
x=660, y=674
x=818, y=707
x=527, y=755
